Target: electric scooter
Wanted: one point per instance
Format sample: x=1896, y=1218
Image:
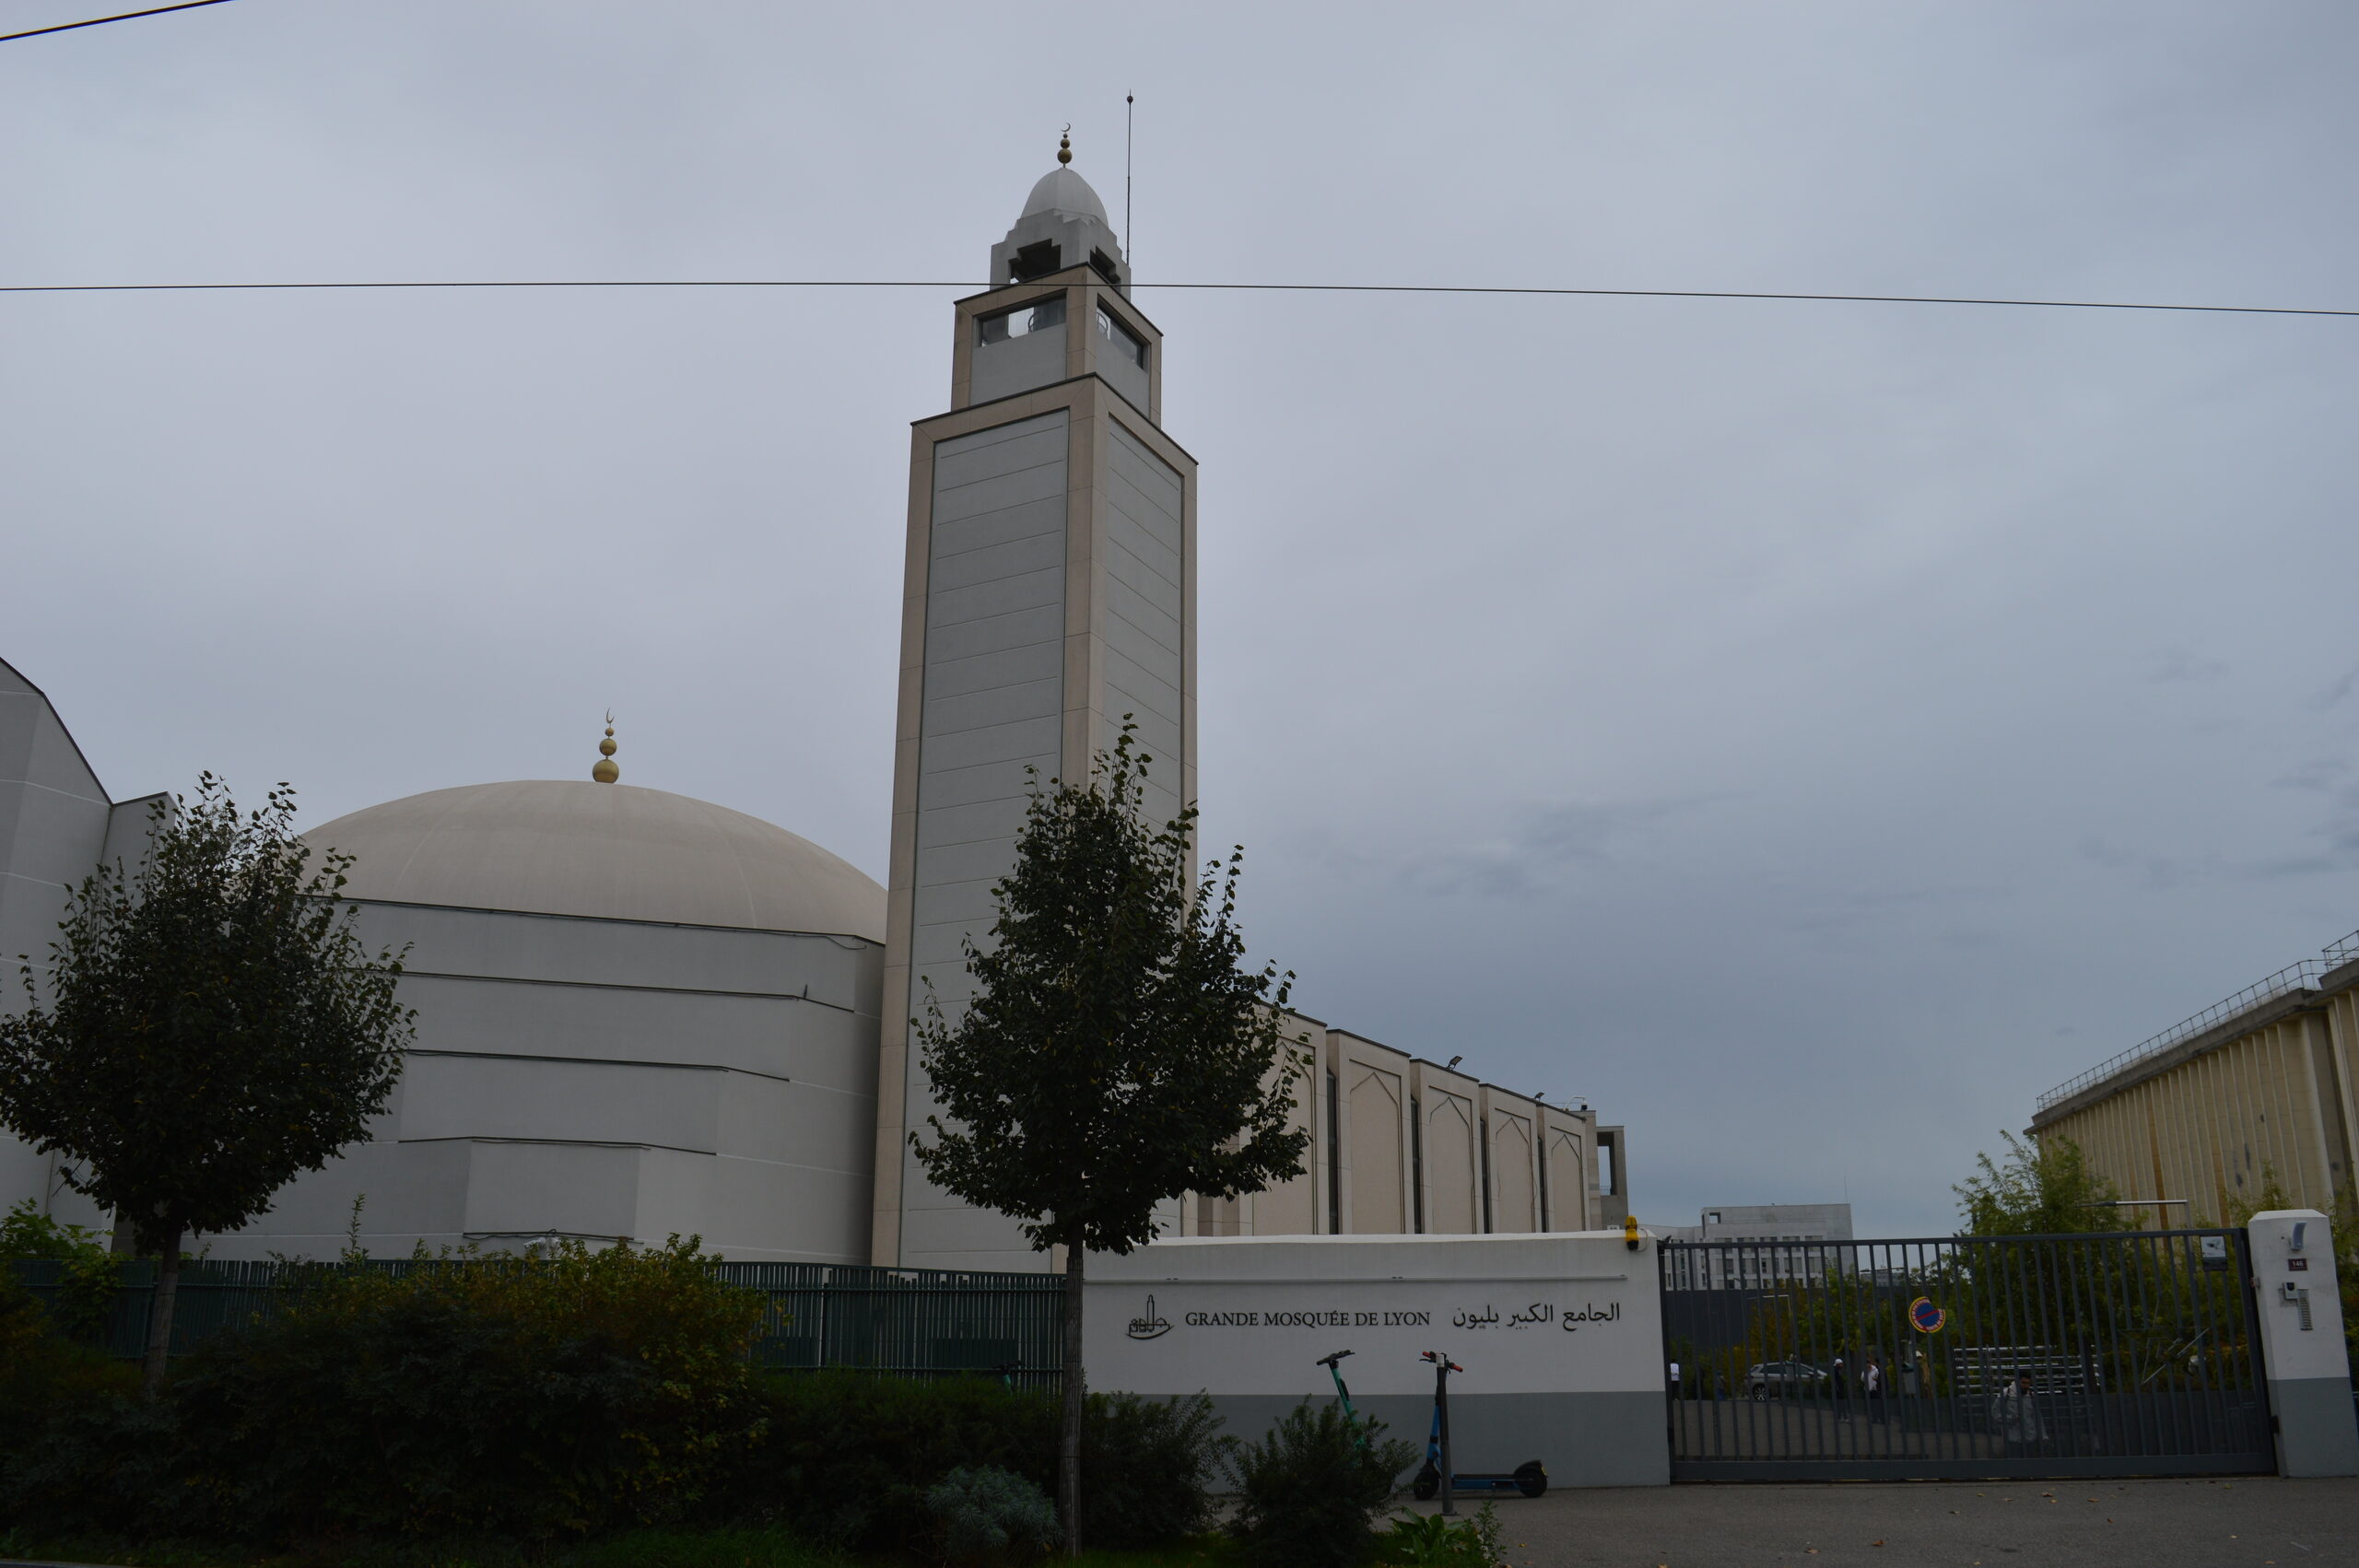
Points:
x=1530, y=1477
x=1335, y=1369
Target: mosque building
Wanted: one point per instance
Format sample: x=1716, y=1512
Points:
x=641, y=1015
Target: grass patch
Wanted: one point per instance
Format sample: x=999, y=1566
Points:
x=153, y=1554
x=699, y=1549
x=1205, y=1551
x=749, y=1548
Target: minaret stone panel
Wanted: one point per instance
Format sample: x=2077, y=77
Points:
x=1050, y=592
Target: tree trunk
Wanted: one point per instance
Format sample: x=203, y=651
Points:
x=1069, y=1444
x=159, y=1311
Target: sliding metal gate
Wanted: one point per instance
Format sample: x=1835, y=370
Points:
x=2130, y=1353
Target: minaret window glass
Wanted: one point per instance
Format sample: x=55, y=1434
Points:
x=1024, y=321
x=1125, y=341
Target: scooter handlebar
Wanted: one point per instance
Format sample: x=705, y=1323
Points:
x=1329, y=1361
x=1439, y=1359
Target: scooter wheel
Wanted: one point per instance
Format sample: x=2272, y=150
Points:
x=1531, y=1479
x=1428, y=1481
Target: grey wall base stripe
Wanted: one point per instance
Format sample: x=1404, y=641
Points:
x=2318, y=1434
x=2032, y=1469
x=1583, y=1439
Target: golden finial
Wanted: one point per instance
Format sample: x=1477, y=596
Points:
x=603, y=770
x=1065, y=144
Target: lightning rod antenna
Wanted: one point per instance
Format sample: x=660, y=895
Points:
x=1129, y=252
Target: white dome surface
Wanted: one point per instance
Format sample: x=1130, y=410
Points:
x=609, y=851
x=1061, y=190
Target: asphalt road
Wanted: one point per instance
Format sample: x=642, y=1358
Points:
x=2251, y=1522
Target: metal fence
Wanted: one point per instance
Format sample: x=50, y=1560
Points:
x=904, y=1322
x=2125, y=1353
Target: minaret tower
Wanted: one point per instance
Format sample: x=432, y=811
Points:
x=1049, y=590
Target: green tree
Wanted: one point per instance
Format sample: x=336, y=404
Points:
x=2271, y=1195
x=2044, y=1189
x=1116, y=1053
x=213, y=1026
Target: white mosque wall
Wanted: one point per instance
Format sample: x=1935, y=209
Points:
x=53, y=820
x=57, y=825
x=604, y=1078
x=1558, y=1337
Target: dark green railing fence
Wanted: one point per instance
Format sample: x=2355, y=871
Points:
x=900, y=1322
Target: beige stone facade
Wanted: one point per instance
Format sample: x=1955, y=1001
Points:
x=1400, y=1146
x=2260, y=1086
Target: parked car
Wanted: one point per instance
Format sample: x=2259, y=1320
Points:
x=1785, y=1379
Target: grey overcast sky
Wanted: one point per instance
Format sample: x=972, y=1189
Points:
x=1808, y=731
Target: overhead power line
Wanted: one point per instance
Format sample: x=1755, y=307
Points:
x=100, y=21
x=1274, y=287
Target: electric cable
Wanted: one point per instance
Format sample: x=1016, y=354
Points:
x=99, y=21
x=1505, y=289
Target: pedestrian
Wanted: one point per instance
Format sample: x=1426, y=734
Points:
x=1872, y=1387
x=1842, y=1390
x=2014, y=1414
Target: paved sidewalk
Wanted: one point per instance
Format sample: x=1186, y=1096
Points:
x=2251, y=1522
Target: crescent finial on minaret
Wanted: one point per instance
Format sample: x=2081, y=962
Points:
x=603, y=770
x=1065, y=144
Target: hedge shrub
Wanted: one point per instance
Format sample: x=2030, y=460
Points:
x=984, y=1518
x=523, y=1397
x=1306, y=1492
x=848, y=1455
x=1149, y=1469
x=540, y=1399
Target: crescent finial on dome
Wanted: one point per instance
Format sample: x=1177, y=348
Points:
x=603, y=770
x=1064, y=145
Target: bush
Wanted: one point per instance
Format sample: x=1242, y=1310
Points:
x=987, y=1516
x=1430, y=1541
x=1305, y=1491
x=66, y=1411
x=85, y=1291
x=109, y=1464
x=525, y=1400
x=521, y=1396
x=1148, y=1470
x=849, y=1455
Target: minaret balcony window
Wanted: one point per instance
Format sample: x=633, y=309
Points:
x=1120, y=338
x=1022, y=321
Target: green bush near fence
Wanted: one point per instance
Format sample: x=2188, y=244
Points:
x=846, y=1458
x=87, y=1275
x=530, y=1397
x=537, y=1398
x=1307, y=1493
x=537, y=1402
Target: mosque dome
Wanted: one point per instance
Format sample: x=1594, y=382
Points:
x=1061, y=190
x=608, y=851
